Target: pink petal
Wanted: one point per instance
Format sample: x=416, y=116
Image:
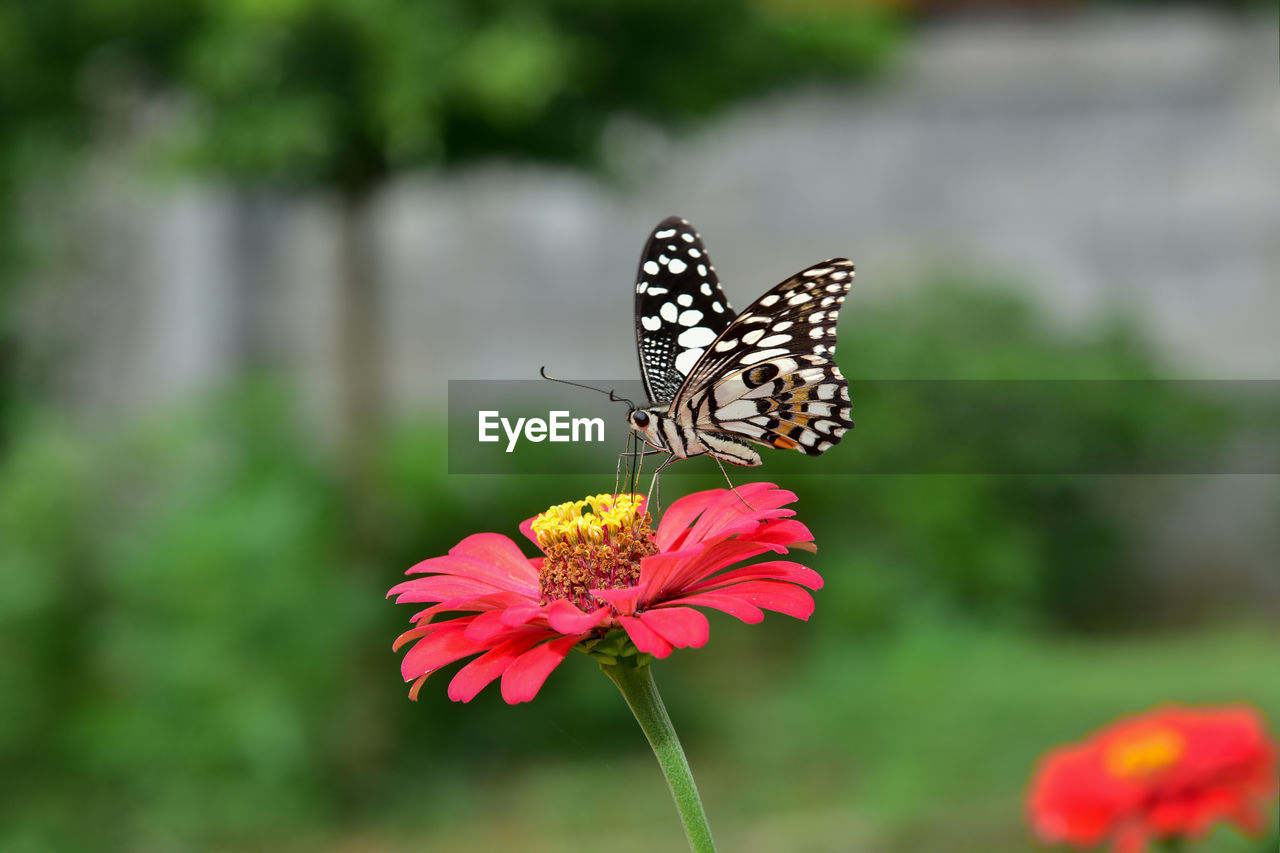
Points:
x=729, y=551
x=499, y=553
x=734, y=512
x=565, y=618
x=470, y=603
x=674, y=526
x=440, y=587
x=786, y=532
x=672, y=574
x=682, y=627
x=524, y=678
x=731, y=604
x=1250, y=817
x=486, y=557
x=624, y=600
x=745, y=526
x=440, y=565
x=416, y=687
x=645, y=638
x=526, y=527
x=661, y=574
x=781, y=570
x=479, y=673
x=521, y=614
x=426, y=615
x=778, y=596
x=485, y=626
x=1130, y=837
x=444, y=646
x=759, y=527
x=412, y=634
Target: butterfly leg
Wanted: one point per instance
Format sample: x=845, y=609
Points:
x=633, y=472
x=654, y=482
x=732, y=487
x=628, y=453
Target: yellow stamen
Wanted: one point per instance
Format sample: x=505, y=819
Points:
x=606, y=516
x=596, y=543
x=1144, y=753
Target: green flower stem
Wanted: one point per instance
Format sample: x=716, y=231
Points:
x=636, y=683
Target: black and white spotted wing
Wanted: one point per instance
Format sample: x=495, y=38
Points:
x=680, y=308
x=719, y=381
x=771, y=375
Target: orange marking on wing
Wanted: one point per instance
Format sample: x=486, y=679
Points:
x=784, y=442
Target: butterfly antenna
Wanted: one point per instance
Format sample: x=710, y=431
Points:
x=614, y=398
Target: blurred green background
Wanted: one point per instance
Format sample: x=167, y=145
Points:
x=194, y=646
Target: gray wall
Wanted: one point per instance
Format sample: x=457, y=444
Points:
x=1100, y=161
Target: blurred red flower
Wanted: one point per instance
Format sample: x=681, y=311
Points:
x=1169, y=773
x=606, y=580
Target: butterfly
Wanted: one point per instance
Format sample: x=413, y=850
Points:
x=717, y=381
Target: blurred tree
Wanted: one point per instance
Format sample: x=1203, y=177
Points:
x=338, y=95
x=59, y=62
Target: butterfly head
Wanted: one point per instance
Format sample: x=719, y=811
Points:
x=646, y=423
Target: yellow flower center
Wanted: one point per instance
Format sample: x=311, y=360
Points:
x=1144, y=753
x=596, y=543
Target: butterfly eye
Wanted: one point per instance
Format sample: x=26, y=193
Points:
x=640, y=418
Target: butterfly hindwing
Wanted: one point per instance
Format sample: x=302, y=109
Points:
x=680, y=308
x=770, y=375
x=806, y=407
x=719, y=382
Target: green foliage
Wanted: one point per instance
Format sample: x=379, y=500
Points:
x=60, y=60
x=340, y=92
x=204, y=650
x=964, y=397
x=343, y=92
x=180, y=600
x=1050, y=550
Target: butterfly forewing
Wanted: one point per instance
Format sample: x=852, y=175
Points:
x=680, y=308
x=770, y=375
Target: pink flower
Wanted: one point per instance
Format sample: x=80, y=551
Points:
x=1170, y=773
x=606, y=583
